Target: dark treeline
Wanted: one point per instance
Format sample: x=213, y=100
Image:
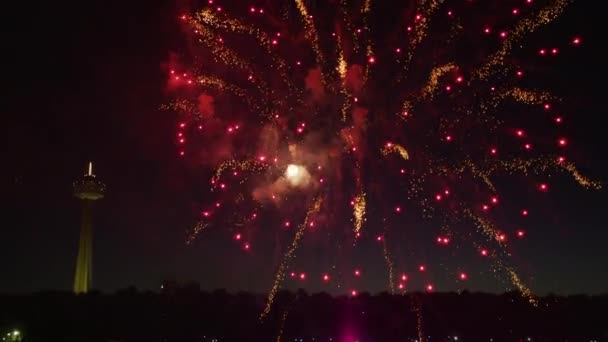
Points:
x=187, y=314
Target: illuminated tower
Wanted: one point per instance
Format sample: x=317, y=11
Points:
x=87, y=189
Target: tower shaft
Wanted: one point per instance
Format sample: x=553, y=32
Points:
x=84, y=262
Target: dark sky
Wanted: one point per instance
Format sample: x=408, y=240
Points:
x=85, y=80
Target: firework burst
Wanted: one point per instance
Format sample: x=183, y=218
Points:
x=354, y=113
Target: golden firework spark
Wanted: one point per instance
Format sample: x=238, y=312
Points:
x=359, y=211
x=395, y=148
x=289, y=255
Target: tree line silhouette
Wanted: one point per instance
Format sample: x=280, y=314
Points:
x=185, y=313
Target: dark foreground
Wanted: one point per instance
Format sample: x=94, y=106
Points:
x=190, y=315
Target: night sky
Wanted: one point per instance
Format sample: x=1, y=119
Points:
x=85, y=81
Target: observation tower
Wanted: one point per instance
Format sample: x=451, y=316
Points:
x=87, y=189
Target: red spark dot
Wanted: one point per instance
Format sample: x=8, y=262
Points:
x=287, y=224
x=325, y=277
x=494, y=200
x=182, y=125
x=485, y=207
x=181, y=141
x=524, y=212
x=484, y=252
x=520, y=233
x=183, y=17
x=356, y=99
x=439, y=239
x=298, y=63
x=179, y=134
x=448, y=138
x=446, y=192
x=502, y=237
x=200, y=127
x=503, y=34
x=515, y=11
x=492, y=88
x=402, y=171
x=421, y=268
x=463, y=276
x=358, y=30
x=312, y=224
x=300, y=130
x=275, y=42
x=558, y=119
x=520, y=133
x=189, y=81
x=547, y=106
x=262, y=158
x=379, y=238
x=429, y=287
x=562, y=142
x=358, y=235
x=223, y=186
x=252, y=9
x=389, y=144
x=450, y=13
x=438, y=197
x=405, y=113
x=448, y=88
x=561, y=159
x=261, y=10
x=397, y=50
x=353, y=293
x=404, y=277
x=409, y=28
x=398, y=209
x=278, y=34
x=357, y=273
x=528, y=146
x=219, y=9
x=217, y=204
x=293, y=274
x=371, y=59
x=246, y=246
x=542, y=52
x=487, y=30
x=543, y=187
x=576, y=40
x=401, y=286
x=302, y=276
x=237, y=236
x=528, y=1
x=554, y=51
x=172, y=72
x=520, y=73
x=493, y=151
x=459, y=79
x=181, y=153
x=205, y=213
x=418, y=16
